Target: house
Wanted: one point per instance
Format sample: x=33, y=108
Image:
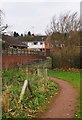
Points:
x=30, y=43
x=38, y=43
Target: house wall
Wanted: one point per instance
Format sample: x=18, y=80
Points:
x=38, y=45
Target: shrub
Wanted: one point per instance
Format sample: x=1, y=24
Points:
x=69, y=56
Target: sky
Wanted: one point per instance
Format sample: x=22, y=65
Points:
x=22, y=16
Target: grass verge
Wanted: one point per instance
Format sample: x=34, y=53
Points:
x=31, y=105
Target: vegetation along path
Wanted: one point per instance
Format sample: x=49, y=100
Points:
x=63, y=104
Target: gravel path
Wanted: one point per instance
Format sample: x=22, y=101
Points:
x=63, y=105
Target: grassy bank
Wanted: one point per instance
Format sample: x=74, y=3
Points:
x=31, y=105
x=70, y=76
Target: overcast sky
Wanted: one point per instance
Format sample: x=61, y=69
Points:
x=34, y=16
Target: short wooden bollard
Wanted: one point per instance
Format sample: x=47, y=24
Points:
x=46, y=72
x=26, y=84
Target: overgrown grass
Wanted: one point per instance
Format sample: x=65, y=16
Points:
x=70, y=76
x=30, y=106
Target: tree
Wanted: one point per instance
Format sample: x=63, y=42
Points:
x=64, y=35
x=65, y=28
x=65, y=23
x=21, y=35
x=29, y=33
x=16, y=34
x=2, y=28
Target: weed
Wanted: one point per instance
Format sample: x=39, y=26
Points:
x=31, y=105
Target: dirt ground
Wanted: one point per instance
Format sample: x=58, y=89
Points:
x=64, y=104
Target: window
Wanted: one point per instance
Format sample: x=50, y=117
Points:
x=41, y=43
x=35, y=43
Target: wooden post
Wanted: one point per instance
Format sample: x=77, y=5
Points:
x=38, y=71
x=7, y=51
x=27, y=51
x=12, y=51
x=46, y=72
x=23, y=90
x=21, y=51
x=17, y=51
x=26, y=84
x=46, y=77
x=29, y=87
x=52, y=62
